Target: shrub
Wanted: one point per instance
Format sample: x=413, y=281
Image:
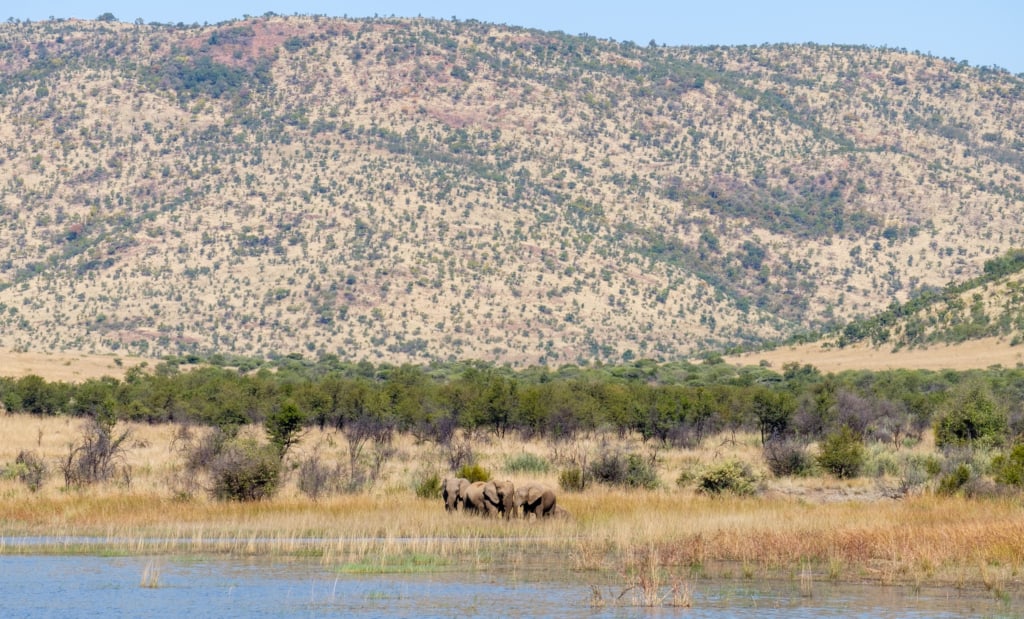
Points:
x=317, y=479
x=685, y=478
x=732, y=476
x=429, y=487
x=245, y=471
x=98, y=457
x=474, y=472
x=640, y=473
x=572, y=480
x=880, y=462
x=972, y=417
x=609, y=468
x=955, y=481
x=527, y=463
x=787, y=457
x=629, y=470
x=30, y=469
x=1008, y=468
x=842, y=453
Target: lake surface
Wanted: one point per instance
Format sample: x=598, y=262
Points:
x=212, y=586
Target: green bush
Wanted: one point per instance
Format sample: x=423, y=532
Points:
x=842, y=453
x=527, y=463
x=880, y=462
x=29, y=469
x=572, y=480
x=972, y=417
x=429, y=487
x=1008, y=468
x=640, y=473
x=732, y=476
x=245, y=471
x=955, y=480
x=685, y=478
x=474, y=472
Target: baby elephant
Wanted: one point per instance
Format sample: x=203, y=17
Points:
x=537, y=499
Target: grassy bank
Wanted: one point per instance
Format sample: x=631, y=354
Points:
x=788, y=529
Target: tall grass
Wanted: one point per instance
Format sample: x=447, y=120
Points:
x=650, y=537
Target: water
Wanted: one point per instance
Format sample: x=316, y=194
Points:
x=205, y=586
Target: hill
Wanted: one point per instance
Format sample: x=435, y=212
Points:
x=404, y=190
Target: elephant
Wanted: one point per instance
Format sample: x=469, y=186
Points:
x=451, y=490
x=535, y=498
x=499, y=497
x=473, y=497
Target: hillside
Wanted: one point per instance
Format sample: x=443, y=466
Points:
x=402, y=190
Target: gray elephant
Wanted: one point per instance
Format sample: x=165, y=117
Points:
x=451, y=491
x=499, y=498
x=535, y=498
x=473, y=498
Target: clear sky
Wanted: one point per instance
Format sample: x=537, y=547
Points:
x=982, y=32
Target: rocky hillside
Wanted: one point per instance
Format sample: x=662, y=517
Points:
x=405, y=190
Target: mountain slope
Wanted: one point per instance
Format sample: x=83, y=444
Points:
x=408, y=189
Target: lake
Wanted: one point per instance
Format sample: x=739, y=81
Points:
x=204, y=586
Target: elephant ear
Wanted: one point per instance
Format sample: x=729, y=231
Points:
x=491, y=492
x=534, y=493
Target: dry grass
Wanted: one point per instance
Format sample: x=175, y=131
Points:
x=647, y=536
x=67, y=367
x=970, y=355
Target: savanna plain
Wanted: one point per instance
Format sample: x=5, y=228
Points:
x=804, y=530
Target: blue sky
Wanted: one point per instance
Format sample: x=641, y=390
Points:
x=983, y=32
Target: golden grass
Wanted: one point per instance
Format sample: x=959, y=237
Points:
x=917, y=540
x=970, y=355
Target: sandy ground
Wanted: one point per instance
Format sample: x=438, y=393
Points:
x=977, y=354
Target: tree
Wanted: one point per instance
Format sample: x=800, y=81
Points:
x=284, y=427
x=773, y=411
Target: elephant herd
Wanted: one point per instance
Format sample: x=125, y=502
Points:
x=500, y=498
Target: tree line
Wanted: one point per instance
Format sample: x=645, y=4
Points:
x=676, y=403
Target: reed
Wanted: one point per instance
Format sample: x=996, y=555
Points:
x=150, y=576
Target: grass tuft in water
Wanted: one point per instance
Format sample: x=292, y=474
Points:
x=405, y=563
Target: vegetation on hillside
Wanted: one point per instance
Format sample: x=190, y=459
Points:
x=410, y=190
x=988, y=305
